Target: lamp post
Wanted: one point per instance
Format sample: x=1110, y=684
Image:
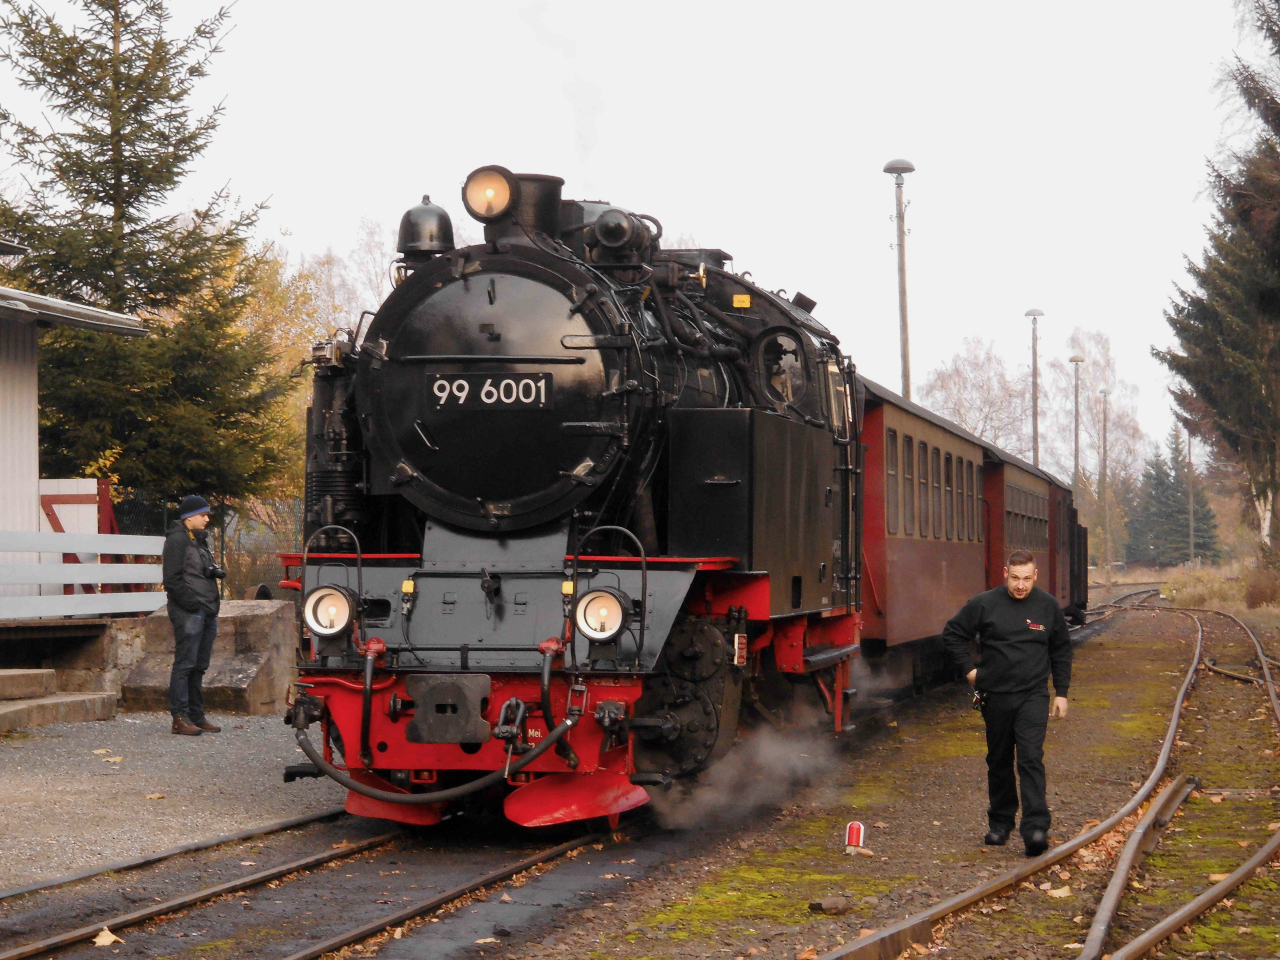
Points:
x=1102, y=492
x=1191, y=506
x=1075, y=470
x=898, y=168
x=1035, y=386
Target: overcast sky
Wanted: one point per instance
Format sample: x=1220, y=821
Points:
x=1060, y=149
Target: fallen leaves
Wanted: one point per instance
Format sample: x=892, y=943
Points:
x=397, y=933
x=864, y=852
x=495, y=940
x=1215, y=799
x=106, y=938
x=248, y=863
x=808, y=953
x=505, y=898
x=1060, y=892
x=1215, y=877
x=102, y=751
x=921, y=949
x=155, y=796
x=880, y=824
x=865, y=932
x=112, y=759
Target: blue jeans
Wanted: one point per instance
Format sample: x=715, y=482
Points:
x=193, y=635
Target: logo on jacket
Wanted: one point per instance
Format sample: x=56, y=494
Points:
x=1035, y=626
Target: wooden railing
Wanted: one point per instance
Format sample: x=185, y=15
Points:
x=122, y=582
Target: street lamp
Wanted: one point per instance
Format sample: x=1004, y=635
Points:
x=1035, y=314
x=1075, y=473
x=1191, y=505
x=1102, y=489
x=898, y=168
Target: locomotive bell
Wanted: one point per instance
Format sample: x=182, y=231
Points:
x=425, y=228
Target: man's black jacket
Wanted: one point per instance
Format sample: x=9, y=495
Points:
x=186, y=558
x=1021, y=641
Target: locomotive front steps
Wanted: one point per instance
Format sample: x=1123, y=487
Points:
x=28, y=698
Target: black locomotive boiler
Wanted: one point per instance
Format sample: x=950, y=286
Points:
x=577, y=505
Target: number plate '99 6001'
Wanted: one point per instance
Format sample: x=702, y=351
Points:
x=486, y=390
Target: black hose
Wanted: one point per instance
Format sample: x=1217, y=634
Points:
x=366, y=709
x=438, y=796
x=546, y=689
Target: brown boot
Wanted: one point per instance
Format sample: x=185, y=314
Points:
x=185, y=727
x=209, y=727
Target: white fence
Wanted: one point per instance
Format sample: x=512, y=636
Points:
x=89, y=575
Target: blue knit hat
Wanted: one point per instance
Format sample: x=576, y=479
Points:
x=191, y=506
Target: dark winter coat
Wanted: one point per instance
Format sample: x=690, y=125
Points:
x=186, y=558
x=1022, y=641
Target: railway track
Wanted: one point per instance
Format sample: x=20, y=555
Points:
x=1132, y=918
x=380, y=883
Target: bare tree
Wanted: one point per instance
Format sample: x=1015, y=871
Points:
x=976, y=390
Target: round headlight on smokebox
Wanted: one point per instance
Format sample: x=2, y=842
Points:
x=602, y=614
x=490, y=192
x=328, y=611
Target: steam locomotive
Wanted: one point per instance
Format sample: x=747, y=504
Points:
x=578, y=505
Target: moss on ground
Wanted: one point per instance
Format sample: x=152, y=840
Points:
x=769, y=887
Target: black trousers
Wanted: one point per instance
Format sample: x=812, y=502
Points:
x=1016, y=724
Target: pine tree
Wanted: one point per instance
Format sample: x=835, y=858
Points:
x=1228, y=328
x=1158, y=528
x=192, y=406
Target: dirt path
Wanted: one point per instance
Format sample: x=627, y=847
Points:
x=916, y=778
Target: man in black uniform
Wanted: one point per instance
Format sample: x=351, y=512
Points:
x=191, y=583
x=1022, y=636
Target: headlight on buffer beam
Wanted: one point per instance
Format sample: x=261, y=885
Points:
x=602, y=614
x=328, y=611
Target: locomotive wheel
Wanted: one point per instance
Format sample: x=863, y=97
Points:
x=690, y=735
x=696, y=650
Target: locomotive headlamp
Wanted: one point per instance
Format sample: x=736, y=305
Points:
x=603, y=614
x=490, y=192
x=328, y=611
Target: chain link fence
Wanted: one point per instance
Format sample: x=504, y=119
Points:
x=247, y=544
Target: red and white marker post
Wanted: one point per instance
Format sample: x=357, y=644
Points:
x=853, y=835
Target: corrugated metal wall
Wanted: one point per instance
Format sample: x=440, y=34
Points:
x=19, y=438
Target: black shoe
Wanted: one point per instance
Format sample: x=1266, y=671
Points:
x=996, y=838
x=1037, y=843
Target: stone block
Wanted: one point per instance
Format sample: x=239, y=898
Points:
x=58, y=708
x=103, y=663
x=252, y=665
x=25, y=684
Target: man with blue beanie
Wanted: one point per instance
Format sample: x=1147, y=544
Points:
x=191, y=583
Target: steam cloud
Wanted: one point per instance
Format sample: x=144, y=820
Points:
x=763, y=768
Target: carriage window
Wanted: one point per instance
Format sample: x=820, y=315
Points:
x=969, y=511
x=961, y=523
x=937, y=493
x=923, y=475
x=839, y=401
x=948, y=498
x=908, y=487
x=978, y=500
x=783, y=367
x=891, y=481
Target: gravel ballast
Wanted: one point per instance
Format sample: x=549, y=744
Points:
x=65, y=807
